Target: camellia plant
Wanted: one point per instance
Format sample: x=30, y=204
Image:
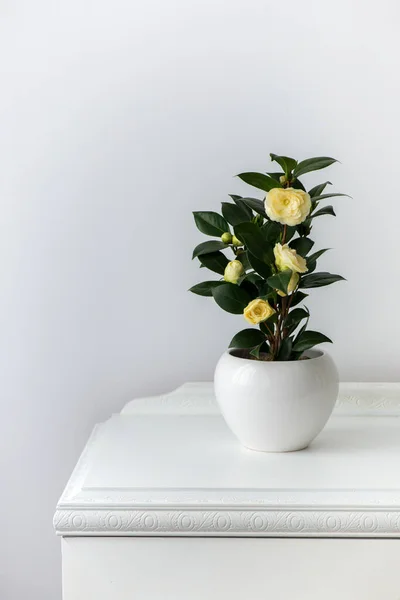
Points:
x=272, y=267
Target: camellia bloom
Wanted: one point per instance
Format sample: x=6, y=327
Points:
x=233, y=271
x=258, y=310
x=287, y=205
x=287, y=258
x=294, y=280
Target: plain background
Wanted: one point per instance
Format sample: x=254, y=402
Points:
x=117, y=119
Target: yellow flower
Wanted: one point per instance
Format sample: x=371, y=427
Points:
x=287, y=258
x=287, y=205
x=294, y=280
x=233, y=271
x=258, y=310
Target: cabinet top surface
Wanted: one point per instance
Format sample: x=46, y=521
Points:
x=169, y=465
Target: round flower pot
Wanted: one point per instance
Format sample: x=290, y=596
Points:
x=276, y=406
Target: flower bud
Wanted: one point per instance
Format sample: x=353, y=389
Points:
x=226, y=237
x=236, y=241
x=283, y=179
x=233, y=271
x=294, y=280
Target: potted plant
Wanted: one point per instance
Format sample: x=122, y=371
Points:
x=276, y=391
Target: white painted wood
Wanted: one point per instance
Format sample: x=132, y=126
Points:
x=165, y=504
x=230, y=569
x=172, y=467
x=198, y=398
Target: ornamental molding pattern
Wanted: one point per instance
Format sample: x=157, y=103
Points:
x=370, y=398
x=249, y=523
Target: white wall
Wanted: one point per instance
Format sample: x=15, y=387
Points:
x=117, y=119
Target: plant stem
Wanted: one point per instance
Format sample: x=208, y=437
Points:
x=269, y=331
x=284, y=234
x=283, y=316
x=290, y=300
x=269, y=336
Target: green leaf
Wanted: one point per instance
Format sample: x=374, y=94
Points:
x=234, y=213
x=326, y=210
x=205, y=288
x=251, y=235
x=316, y=255
x=259, y=266
x=319, y=279
x=296, y=355
x=264, y=347
x=312, y=259
x=324, y=196
x=268, y=293
x=239, y=201
x=297, y=185
x=271, y=231
x=280, y=281
x=276, y=176
x=295, y=316
x=287, y=163
x=313, y=164
x=243, y=258
x=301, y=331
x=298, y=297
x=250, y=288
x=290, y=231
x=207, y=247
x=231, y=297
x=254, y=278
x=260, y=181
x=256, y=205
x=216, y=261
x=318, y=189
x=304, y=229
x=302, y=245
x=210, y=223
x=308, y=339
x=285, y=349
x=247, y=338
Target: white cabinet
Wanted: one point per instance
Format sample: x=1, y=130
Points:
x=164, y=504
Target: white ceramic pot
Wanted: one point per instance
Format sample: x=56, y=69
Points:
x=276, y=406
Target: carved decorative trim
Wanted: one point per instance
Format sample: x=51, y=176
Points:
x=249, y=523
x=369, y=398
